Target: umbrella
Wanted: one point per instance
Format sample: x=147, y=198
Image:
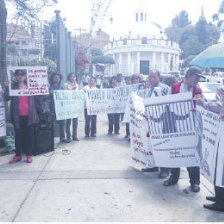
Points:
x=212, y=57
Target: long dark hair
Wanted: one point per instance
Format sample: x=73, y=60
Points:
x=54, y=74
x=69, y=75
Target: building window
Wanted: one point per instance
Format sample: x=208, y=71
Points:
x=141, y=16
x=136, y=17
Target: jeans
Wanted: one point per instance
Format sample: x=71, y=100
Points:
x=24, y=137
x=193, y=172
x=90, y=123
x=62, y=129
x=114, y=122
x=74, y=128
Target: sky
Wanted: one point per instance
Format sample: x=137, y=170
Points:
x=78, y=13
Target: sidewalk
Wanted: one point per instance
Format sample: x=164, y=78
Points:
x=95, y=180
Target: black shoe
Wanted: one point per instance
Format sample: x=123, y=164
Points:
x=163, y=175
x=169, y=182
x=117, y=133
x=127, y=136
x=87, y=136
x=109, y=133
x=68, y=140
x=215, y=207
x=195, y=188
x=211, y=198
x=63, y=140
x=75, y=139
x=93, y=135
x=154, y=169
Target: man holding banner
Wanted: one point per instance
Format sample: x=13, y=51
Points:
x=156, y=88
x=192, y=77
x=216, y=107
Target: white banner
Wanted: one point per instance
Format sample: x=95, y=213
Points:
x=140, y=144
x=207, y=128
x=69, y=104
x=112, y=100
x=36, y=80
x=171, y=123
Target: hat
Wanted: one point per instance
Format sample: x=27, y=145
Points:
x=194, y=71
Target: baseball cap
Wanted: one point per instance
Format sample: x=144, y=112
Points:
x=194, y=70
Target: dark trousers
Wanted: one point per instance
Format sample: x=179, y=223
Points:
x=62, y=129
x=193, y=172
x=127, y=129
x=90, y=123
x=74, y=128
x=24, y=137
x=219, y=194
x=114, y=122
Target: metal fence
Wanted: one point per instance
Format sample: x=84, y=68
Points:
x=65, y=48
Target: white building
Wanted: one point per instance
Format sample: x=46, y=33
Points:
x=145, y=48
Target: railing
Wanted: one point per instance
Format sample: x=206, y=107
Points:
x=141, y=41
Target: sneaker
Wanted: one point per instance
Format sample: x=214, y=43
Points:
x=154, y=169
x=169, y=182
x=68, y=140
x=15, y=159
x=63, y=140
x=195, y=188
x=211, y=198
x=163, y=175
x=109, y=133
x=29, y=159
x=87, y=136
x=93, y=135
x=117, y=133
x=215, y=207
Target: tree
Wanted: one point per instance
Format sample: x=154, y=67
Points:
x=26, y=10
x=103, y=60
x=179, y=23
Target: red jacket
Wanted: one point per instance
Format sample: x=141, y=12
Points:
x=175, y=88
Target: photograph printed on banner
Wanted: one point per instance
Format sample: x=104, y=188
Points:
x=34, y=78
x=171, y=121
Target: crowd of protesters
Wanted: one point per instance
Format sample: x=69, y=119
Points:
x=24, y=116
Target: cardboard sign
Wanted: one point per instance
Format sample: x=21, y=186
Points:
x=35, y=78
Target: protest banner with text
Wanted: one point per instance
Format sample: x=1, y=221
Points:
x=112, y=100
x=141, y=149
x=36, y=80
x=207, y=129
x=69, y=104
x=171, y=122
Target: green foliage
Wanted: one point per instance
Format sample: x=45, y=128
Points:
x=103, y=60
x=192, y=39
x=51, y=65
x=95, y=52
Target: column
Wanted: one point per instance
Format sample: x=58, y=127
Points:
x=162, y=63
x=120, y=63
x=113, y=66
x=128, y=64
x=178, y=62
x=153, y=60
x=169, y=62
x=174, y=63
x=138, y=62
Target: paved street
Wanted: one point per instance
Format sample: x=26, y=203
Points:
x=95, y=180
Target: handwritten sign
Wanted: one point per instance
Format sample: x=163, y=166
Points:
x=35, y=78
x=171, y=124
x=114, y=100
x=141, y=149
x=68, y=103
x=207, y=127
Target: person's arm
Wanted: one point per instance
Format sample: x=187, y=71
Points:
x=211, y=106
x=182, y=117
x=156, y=119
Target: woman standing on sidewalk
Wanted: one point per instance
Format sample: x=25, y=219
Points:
x=90, y=120
x=23, y=115
x=71, y=85
x=113, y=118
